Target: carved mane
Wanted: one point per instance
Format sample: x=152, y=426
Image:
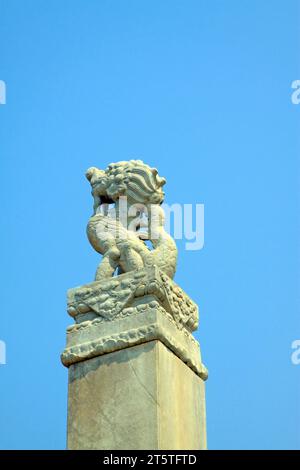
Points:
x=136, y=180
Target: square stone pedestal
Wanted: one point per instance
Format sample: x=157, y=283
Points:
x=136, y=380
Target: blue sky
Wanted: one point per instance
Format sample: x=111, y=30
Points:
x=201, y=90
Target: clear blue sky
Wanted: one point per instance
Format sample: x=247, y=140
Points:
x=201, y=90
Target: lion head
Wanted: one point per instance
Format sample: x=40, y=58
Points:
x=134, y=179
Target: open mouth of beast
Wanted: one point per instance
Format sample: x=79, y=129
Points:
x=106, y=200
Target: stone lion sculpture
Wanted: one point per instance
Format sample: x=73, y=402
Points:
x=127, y=199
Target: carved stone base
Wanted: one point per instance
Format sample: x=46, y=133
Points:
x=136, y=380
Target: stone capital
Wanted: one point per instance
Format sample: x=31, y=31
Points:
x=131, y=309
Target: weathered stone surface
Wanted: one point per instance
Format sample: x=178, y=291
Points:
x=116, y=233
x=147, y=322
x=117, y=297
x=142, y=397
x=136, y=379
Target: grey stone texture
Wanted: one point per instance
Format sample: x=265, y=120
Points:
x=136, y=378
x=141, y=397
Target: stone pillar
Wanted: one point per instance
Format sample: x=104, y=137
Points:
x=136, y=380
